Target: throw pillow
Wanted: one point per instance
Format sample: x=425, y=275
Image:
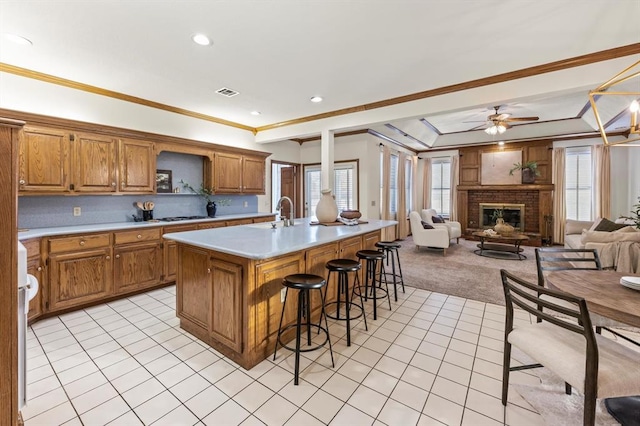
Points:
x=426, y=225
x=607, y=226
x=437, y=219
x=626, y=229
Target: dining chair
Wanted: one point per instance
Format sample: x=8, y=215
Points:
x=598, y=367
x=549, y=259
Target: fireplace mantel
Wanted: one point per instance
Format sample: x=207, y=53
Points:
x=532, y=187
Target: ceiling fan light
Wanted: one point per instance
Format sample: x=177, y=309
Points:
x=635, y=106
x=493, y=130
x=501, y=129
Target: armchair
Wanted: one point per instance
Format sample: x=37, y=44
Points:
x=453, y=228
x=437, y=237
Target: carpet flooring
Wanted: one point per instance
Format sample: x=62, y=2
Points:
x=461, y=272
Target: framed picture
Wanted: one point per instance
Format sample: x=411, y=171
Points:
x=163, y=182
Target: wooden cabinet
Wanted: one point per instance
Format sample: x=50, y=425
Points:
x=57, y=161
x=137, y=260
x=369, y=240
x=194, y=292
x=137, y=166
x=316, y=259
x=210, y=225
x=238, y=174
x=226, y=303
x=44, y=160
x=170, y=252
x=94, y=160
x=79, y=277
x=236, y=222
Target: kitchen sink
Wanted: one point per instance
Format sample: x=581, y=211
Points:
x=269, y=225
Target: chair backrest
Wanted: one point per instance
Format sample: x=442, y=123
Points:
x=427, y=215
x=415, y=222
x=528, y=296
x=562, y=259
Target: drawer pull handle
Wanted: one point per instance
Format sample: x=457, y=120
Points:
x=39, y=268
x=139, y=236
x=81, y=243
x=208, y=270
x=117, y=256
x=108, y=257
x=113, y=184
x=22, y=182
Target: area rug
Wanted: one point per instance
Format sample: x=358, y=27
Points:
x=558, y=408
x=461, y=272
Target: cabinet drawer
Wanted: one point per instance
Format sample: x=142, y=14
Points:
x=137, y=236
x=33, y=247
x=59, y=245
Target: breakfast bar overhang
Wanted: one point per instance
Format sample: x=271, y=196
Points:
x=229, y=280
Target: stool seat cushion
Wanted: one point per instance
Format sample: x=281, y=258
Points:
x=370, y=254
x=343, y=265
x=304, y=281
x=387, y=244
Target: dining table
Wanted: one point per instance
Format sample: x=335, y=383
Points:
x=607, y=297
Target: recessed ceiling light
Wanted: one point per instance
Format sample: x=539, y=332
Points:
x=18, y=39
x=316, y=99
x=255, y=113
x=501, y=143
x=201, y=39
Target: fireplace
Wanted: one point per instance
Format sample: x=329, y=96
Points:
x=513, y=214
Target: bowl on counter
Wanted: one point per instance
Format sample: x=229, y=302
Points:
x=350, y=214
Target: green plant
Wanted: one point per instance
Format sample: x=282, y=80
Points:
x=206, y=193
x=635, y=214
x=497, y=214
x=531, y=165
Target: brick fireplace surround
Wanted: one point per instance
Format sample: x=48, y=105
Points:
x=536, y=198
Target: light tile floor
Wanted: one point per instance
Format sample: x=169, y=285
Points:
x=433, y=359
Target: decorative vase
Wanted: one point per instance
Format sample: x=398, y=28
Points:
x=503, y=228
x=528, y=176
x=326, y=210
x=211, y=209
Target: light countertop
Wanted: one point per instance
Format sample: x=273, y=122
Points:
x=63, y=230
x=260, y=241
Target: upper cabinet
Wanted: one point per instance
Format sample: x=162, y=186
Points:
x=44, y=160
x=238, y=174
x=137, y=166
x=54, y=161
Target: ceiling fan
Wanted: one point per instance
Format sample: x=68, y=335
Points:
x=499, y=122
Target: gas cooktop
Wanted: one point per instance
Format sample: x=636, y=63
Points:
x=178, y=218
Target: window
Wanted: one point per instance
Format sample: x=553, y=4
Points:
x=345, y=186
x=393, y=185
x=408, y=179
x=578, y=178
x=441, y=185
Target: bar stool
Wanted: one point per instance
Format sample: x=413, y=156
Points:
x=390, y=248
x=374, y=262
x=303, y=283
x=343, y=267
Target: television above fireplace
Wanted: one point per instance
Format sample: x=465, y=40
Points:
x=513, y=214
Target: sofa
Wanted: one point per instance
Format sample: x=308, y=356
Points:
x=436, y=237
x=618, y=248
x=454, y=229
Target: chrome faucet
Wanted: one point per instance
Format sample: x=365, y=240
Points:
x=289, y=221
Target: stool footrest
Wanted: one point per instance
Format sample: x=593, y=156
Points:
x=348, y=306
x=308, y=348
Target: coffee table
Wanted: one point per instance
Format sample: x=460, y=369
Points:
x=489, y=249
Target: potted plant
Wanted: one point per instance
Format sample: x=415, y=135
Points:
x=635, y=214
x=205, y=193
x=529, y=171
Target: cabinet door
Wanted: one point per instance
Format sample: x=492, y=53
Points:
x=137, y=166
x=369, y=240
x=317, y=258
x=253, y=174
x=137, y=266
x=79, y=277
x=348, y=249
x=44, y=160
x=269, y=277
x=194, y=286
x=34, y=267
x=226, y=303
x=94, y=163
x=228, y=173
x=170, y=263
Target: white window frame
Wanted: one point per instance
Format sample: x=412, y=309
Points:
x=310, y=203
x=437, y=166
x=572, y=212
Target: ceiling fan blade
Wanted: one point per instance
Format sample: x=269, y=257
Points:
x=522, y=119
x=477, y=127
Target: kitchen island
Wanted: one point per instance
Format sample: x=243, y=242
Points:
x=229, y=280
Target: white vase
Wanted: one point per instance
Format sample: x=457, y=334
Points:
x=326, y=210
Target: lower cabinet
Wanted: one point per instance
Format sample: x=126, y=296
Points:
x=194, y=291
x=137, y=266
x=226, y=303
x=34, y=267
x=76, y=278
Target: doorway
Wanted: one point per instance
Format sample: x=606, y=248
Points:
x=285, y=183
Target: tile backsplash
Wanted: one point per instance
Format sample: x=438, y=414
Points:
x=50, y=211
